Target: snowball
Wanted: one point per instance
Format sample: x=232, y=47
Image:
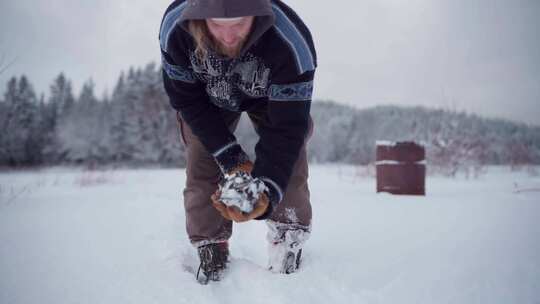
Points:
x=241, y=190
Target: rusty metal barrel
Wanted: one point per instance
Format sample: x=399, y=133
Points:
x=401, y=167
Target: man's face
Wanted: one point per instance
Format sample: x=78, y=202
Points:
x=230, y=35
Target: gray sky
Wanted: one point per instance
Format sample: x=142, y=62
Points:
x=480, y=56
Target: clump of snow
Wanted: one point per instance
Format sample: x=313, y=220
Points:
x=242, y=190
x=385, y=143
x=395, y=162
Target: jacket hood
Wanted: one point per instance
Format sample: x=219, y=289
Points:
x=204, y=9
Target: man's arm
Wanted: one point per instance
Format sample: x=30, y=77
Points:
x=282, y=139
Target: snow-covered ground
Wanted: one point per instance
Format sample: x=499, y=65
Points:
x=118, y=237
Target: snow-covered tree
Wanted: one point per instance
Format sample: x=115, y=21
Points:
x=19, y=126
x=455, y=141
x=58, y=107
x=79, y=131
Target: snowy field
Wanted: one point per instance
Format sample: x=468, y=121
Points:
x=67, y=236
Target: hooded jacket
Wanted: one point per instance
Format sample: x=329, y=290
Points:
x=273, y=74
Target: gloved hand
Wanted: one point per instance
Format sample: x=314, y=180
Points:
x=233, y=213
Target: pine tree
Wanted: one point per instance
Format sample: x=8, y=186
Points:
x=58, y=108
x=61, y=95
x=19, y=144
x=3, y=123
x=78, y=130
x=122, y=130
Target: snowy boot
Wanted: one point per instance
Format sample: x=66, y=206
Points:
x=285, y=246
x=213, y=258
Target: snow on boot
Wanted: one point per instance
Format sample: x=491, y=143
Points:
x=213, y=258
x=285, y=246
x=240, y=189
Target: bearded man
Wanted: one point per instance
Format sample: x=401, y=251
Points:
x=221, y=58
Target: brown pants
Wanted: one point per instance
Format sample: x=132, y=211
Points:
x=204, y=224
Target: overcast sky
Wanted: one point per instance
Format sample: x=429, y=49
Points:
x=478, y=56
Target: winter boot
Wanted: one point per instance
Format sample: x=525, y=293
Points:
x=214, y=258
x=285, y=246
x=283, y=259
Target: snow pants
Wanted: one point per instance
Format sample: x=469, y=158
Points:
x=204, y=224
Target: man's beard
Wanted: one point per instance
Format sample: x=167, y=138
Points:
x=227, y=51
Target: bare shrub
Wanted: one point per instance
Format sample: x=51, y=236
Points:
x=92, y=176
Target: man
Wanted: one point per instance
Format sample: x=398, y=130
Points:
x=221, y=58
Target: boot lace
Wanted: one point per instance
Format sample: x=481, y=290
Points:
x=213, y=260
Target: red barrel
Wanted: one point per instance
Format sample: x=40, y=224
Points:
x=401, y=167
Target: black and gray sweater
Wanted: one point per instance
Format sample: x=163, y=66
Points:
x=274, y=72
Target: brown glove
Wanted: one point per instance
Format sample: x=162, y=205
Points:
x=246, y=167
x=233, y=213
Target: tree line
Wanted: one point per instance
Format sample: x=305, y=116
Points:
x=135, y=125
